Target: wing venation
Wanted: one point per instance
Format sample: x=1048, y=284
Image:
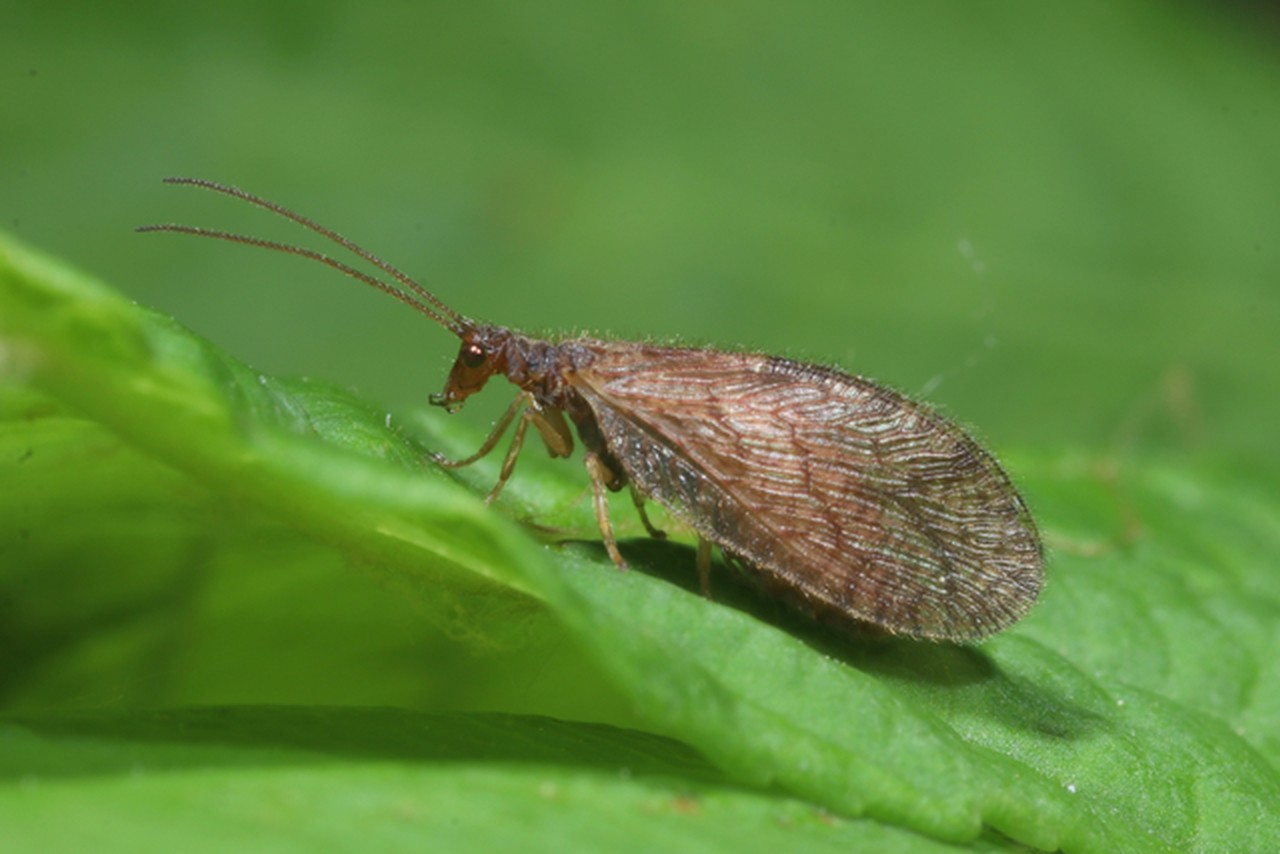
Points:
x=846, y=496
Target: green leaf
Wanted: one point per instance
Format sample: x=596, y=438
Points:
x=209, y=779
x=1135, y=709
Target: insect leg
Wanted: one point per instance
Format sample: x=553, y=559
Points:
x=638, y=500
x=554, y=432
x=704, y=566
x=509, y=461
x=489, y=443
x=552, y=427
x=599, y=475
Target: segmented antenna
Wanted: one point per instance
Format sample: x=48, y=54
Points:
x=418, y=297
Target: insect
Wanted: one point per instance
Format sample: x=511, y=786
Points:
x=849, y=501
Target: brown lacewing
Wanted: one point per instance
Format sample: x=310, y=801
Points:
x=854, y=504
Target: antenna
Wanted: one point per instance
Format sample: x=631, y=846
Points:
x=418, y=297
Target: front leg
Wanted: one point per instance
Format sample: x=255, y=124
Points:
x=550, y=424
x=551, y=427
x=490, y=441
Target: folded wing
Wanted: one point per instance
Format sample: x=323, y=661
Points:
x=846, y=497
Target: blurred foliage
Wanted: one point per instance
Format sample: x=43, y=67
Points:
x=1063, y=215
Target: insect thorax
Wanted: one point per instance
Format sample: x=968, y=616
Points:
x=540, y=367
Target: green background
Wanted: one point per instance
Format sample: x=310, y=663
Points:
x=1059, y=224
x=1060, y=213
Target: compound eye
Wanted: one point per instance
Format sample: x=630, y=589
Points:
x=473, y=355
